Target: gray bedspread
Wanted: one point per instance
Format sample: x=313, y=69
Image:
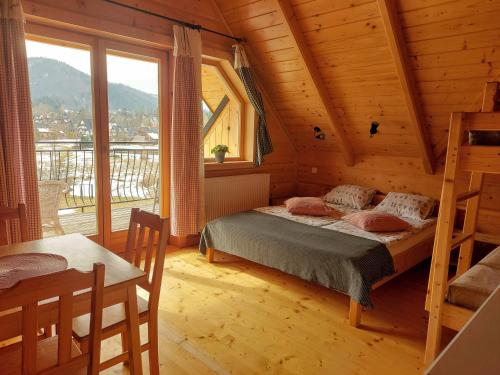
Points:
x=336, y=260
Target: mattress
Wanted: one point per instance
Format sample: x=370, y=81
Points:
x=396, y=242
x=473, y=287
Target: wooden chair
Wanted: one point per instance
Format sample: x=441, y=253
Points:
x=58, y=354
x=7, y=215
x=50, y=193
x=114, y=316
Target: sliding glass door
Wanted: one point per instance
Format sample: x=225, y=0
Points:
x=134, y=133
x=133, y=118
x=99, y=118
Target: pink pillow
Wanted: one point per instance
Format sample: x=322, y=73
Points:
x=376, y=221
x=307, y=206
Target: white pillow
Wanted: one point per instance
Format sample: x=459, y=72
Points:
x=350, y=195
x=407, y=205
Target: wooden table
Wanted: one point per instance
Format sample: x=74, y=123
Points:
x=81, y=253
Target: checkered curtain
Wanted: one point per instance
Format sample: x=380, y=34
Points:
x=186, y=146
x=18, y=177
x=263, y=142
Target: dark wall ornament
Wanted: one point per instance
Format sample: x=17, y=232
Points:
x=318, y=134
x=374, y=128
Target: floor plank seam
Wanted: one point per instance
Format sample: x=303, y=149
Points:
x=189, y=347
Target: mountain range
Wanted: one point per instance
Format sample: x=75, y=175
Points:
x=59, y=85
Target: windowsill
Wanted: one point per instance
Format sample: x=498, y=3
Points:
x=228, y=165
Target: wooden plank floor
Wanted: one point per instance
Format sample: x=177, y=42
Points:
x=236, y=317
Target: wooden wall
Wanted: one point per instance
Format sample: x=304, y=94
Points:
x=281, y=164
x=387, y=174
x=348, y=43
x=453, y=49
x=108, y=19
x=104, y=19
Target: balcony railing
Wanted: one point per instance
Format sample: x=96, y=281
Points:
x=134, y=170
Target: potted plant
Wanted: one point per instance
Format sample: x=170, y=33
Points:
x=219, y=152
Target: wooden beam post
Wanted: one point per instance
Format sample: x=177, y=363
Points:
x=397, y=45
x=438, y=279
x=476, y=184
x=311, y=69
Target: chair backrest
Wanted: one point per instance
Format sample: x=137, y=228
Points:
x=8, y=219
x=50, y=193
x=157, y=230
x=28, y=292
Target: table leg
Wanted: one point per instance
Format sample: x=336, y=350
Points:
x=134, y=341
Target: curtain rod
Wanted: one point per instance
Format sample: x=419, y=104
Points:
x=179, y=22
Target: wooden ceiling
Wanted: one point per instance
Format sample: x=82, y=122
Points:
x=341, y=64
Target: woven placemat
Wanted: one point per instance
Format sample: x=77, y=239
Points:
x=22, y=266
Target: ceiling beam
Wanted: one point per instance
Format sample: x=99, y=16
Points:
x=397, y=45
x=297, y=38
x=440, y=148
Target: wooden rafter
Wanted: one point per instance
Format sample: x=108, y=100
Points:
x=297, y=37
x=439, y=149
x=397, y=45
x=490, y=97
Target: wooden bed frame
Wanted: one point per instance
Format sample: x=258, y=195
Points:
x=403, y=261
x=478, y=161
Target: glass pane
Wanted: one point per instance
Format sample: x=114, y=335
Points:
x=134, y=135
x=61, y=94
x=221, y=114
x=207, y=112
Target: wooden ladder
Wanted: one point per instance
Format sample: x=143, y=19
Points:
x=447, y=237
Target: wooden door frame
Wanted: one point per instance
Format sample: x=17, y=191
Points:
x=98, y=47
x=115, y=240
x=66, y=38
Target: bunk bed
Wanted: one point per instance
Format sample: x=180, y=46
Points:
x=452, y=301
x=331, y=254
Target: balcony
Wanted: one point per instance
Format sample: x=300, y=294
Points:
x=134, y=177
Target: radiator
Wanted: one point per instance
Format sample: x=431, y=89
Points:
x=232, y=194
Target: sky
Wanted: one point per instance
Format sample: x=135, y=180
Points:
x=141, y=75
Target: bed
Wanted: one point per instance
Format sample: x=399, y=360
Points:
x=325, y=250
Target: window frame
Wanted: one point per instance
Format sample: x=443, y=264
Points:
x=249, y=120
x=234, y=94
